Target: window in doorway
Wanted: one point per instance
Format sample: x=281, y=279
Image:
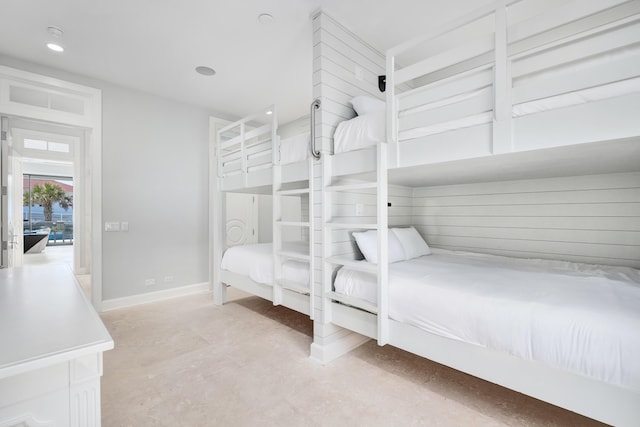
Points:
x=48, y=205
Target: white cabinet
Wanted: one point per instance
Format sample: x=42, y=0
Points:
x=51, y=350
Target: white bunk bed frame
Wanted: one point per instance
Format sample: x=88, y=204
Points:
x=248, y=161
x=496, y=68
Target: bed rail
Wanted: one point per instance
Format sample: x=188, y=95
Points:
x=513, y=76
x=243, y=147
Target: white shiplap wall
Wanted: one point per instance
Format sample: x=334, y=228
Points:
x=344, y=211
x=594, y=219
x=343, y=67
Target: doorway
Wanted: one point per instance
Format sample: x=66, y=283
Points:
x=49, y=163
x=37, y=105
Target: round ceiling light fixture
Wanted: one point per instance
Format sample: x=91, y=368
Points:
x=54, y=43
x=205, y=71
x=265, y=18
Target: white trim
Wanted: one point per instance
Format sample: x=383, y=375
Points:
x=133, y=300
x=92, y=122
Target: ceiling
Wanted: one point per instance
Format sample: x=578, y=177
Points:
x=155, y=45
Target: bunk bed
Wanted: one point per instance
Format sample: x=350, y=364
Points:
x=253, y=159
x=519, y=83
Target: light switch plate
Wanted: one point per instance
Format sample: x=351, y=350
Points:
x=111, y=226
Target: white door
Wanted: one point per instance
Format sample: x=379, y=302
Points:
x=242, y=219
x=8, y=237
x=16, y=220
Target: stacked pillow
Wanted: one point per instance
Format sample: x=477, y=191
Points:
x=404, y=244
x=364, y=104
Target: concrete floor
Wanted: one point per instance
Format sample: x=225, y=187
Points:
x=187, y=362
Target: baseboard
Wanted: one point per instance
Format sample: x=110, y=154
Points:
x=116, y=303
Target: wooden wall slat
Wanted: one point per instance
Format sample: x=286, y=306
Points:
x=592, y=218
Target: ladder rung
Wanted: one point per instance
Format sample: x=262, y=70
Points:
x=287, y=284
x=292, y=223
x=294, y=255
x=355, y=302
x=371, y=226
x=347, y=187
x=293, y=192
x=356, y=265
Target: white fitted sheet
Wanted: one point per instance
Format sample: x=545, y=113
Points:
x=577, y=317
x=256, y=262
x=295, y=149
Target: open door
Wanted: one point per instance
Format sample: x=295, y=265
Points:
x=15, y=192
x=9, y=239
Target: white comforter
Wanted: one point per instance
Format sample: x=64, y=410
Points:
x=581, y=318
x=256, y=261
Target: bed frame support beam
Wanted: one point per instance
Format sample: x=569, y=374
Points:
x=502, y=101
x=383, y=247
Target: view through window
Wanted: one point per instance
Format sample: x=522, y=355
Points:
x=48, y=207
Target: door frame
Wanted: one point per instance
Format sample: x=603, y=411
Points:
x=91, y=120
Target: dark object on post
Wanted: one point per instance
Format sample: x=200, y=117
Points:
x=382, y=83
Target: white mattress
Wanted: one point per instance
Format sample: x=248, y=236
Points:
x=295, y=149
x=577, y=317
x=256, y=262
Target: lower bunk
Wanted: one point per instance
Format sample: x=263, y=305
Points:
x=562, y=332
x=250, y=268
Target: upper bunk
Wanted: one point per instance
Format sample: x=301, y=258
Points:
x=523, y=84
x=247, y=151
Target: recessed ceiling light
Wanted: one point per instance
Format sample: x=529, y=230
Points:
x=205, y=71
x=55, y=47
x=265, y=18
x=269, y=112
x=55, y=36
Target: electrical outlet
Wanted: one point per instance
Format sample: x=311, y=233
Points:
x=149, y=282
x=168, y=279
x=359, y=209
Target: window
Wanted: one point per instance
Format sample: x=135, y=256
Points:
x=39, y=144
x=40, y=213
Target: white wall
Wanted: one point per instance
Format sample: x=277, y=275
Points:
x=155, y=176
x=594, y=219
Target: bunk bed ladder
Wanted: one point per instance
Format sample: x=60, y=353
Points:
x=279, y=254
x=331, y=261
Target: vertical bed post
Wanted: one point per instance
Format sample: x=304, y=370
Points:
x=327, y=240
x=392, y=111
x=383, y=247
x=312, y=242
x=218, y=210
x=502, y=102
x=277, y=208
x=243, y=155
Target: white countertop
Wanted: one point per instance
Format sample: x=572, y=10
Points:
x=45, y=319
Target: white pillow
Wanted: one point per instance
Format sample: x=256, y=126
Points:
x=364, y=104
x=412, y=242
x=368, y=244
